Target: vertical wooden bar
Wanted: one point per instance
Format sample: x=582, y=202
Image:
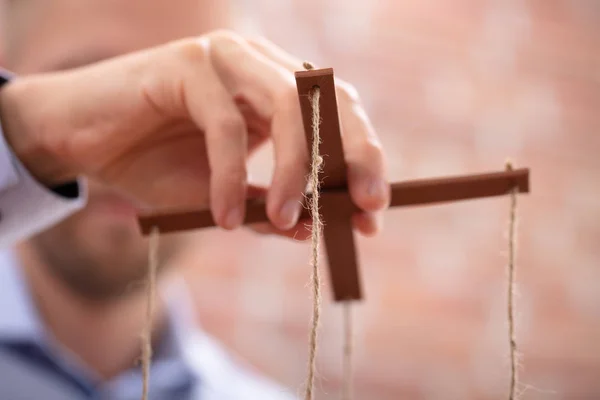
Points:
x=338, y=233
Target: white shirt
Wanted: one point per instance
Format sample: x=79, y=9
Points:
x=26, y=206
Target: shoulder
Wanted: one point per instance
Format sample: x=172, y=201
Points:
x=223, y=376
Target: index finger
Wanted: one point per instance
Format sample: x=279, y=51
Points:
x=270, y=89
x=363, y=152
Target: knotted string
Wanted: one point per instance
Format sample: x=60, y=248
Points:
x=317, y=227
x=151, y=295
x=511, y=292
x=348, y=347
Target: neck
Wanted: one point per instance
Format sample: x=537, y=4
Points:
x=104, y=336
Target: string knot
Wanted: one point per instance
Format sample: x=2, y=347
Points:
x=319, y=161
x=308, y=65
x=509, y=165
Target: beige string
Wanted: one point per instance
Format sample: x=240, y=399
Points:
x=348, y=344
x=511, y=291
x=317, y=161
x=151, y=295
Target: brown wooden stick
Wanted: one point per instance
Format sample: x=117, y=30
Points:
x=338, y=235
x=409, y=193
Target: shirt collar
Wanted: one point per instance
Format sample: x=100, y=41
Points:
x=172, y=366
x=19, y=319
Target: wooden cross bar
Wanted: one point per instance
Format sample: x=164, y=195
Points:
x=336, y=204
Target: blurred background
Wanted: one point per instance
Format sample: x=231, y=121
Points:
x=453, y=87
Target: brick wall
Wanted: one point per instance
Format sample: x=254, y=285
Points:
x=452, y=87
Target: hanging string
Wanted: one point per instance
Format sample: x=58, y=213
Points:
x=151, y=295
x=511, y=292
x=348, y=347
x=316, y=163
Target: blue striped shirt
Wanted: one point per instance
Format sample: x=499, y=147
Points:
x=188, y=364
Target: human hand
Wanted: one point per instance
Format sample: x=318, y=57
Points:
x=174, y=125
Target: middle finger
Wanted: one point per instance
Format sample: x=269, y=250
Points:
x=270, y=89
x=367, y=175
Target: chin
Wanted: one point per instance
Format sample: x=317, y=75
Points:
x=105, y=208
x=101, y=240
x=98, y=267
x=105, y=223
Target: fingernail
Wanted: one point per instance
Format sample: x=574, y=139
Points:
x=233, y=218
x=290, y=213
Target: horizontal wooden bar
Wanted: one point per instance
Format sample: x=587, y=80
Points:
x=439, y=190
x=408, y=193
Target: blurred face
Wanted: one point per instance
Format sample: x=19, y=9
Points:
x=99, y=252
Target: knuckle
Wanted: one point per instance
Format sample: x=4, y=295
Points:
x=191, y=50
x=286, y=94
x=295, y=163
x=258, y=41
x=225, y=36
x=371, y=148
x=225, y=44
x=224, y=41
x=230, y=173
x=348, y=92
x=234, y=174
x=230, y=124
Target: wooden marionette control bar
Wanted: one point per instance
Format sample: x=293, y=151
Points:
x=336, y=204
x=408, y=193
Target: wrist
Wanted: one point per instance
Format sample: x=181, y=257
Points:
x=27, y=123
